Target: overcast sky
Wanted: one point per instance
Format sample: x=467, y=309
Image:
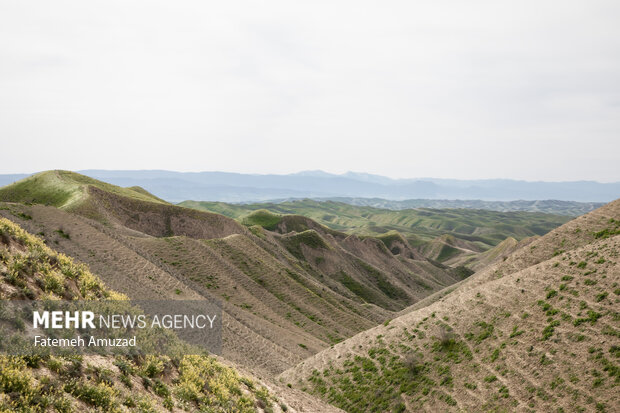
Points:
x=450, y=89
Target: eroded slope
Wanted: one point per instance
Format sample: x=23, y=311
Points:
x=539, y=331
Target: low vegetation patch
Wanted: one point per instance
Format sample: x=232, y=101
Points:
x=309, y=238
x=262, y=218
x=67, y=384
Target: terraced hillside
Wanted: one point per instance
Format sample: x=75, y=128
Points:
x=537, y=331
x=479, y=229
x=31, y=271
x=288, y=291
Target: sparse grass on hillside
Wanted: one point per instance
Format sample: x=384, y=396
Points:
x=446, y=253
x=277, y=294
x=36, y=270
x=31, y=270
x=360, y=290
x=544, y=337
x=555, y=207
x=514, y=349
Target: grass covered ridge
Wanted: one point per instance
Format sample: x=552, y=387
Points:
x=64, y=189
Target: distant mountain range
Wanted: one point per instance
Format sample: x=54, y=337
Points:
x=236, y=187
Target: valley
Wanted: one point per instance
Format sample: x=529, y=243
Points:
x=325, y=302
x=438, y=234
x=288, y=292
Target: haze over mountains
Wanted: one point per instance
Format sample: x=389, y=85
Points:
x=236, y=187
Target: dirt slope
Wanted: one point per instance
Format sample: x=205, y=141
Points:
x=478, y=261
x=31, y=271
x=539, y=331
x=288, y=292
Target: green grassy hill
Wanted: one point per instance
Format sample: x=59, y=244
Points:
x=132, y=208
x=549, y=206
x=64, y=189
x=418, y=226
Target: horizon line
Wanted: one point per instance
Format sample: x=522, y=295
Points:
x=316, y=171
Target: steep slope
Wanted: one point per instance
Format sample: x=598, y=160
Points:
x=539, y=331
x=30, y=270
x=479, y=260
x=288, y=290
x=383, y=270
x=447, y=247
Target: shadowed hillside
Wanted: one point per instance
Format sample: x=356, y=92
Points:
x=538, y=331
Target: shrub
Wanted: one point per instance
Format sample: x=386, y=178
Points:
x=490, y=379
x=160, y=388
x=62, y=233
x=153, y=366
x=54, y=282
x=445, y=336
x=126, y=367
x=98, y=395
x=593, y=317
x=414, y=363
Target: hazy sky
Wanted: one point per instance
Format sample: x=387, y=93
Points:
x=453, y=89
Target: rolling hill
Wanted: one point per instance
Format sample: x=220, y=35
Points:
x=425, y=229
x=362, y=308
x=66, y=190
x=538, y=330
x=149, y=383
x=288, y=290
